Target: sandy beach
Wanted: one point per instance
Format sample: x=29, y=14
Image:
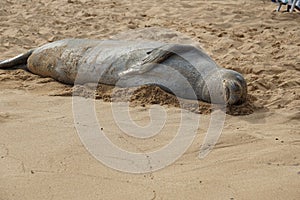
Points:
x=257, y=155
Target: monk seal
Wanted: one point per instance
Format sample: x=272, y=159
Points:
x=135, y=63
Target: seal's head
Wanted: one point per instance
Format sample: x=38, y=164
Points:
x=235, y=87
x=224, y=86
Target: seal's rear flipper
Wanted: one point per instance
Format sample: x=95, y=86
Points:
x=16, y=61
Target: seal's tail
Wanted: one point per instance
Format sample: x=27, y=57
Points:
x=15, y=61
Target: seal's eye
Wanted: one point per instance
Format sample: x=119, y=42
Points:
x=239, y=78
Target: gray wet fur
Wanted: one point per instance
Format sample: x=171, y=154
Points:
x=184, y=70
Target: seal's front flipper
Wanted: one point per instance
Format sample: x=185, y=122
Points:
x=155, y=56
x=158, y=55
x=15, y=61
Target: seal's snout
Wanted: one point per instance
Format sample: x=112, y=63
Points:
x=233, y=92
x=235, y=89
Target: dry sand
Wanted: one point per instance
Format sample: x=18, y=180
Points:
x=257, y=156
